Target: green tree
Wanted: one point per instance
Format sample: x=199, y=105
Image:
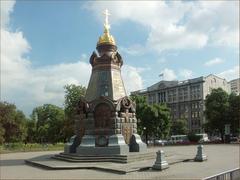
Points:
x=73, y=93
x=156, y=121
x=147, y=121
x=141, y=104
x=179, y=127
x=49, y=123
x=2, y=132
x=31, y=130
x=153, y=120
x=162, y=122
x=12, y=123
x=217, y=110
x=234, y=113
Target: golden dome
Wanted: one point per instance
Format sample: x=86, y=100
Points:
x=106, y=38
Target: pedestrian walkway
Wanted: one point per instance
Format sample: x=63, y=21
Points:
x=220, y=158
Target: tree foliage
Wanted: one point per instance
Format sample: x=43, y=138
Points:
x=31, y=130
x=217, y=107
x=162, y=122
x=179, y=127
x=12, y=123
x=73, y=93
x=154, y=118
x=49, y=123
x=234, y=113
x=141, y=104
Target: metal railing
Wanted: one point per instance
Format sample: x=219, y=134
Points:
x=233, y=174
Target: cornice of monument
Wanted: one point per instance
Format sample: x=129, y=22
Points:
x=106, y=59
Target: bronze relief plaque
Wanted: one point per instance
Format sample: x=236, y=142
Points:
x=101, y=141
x=127, y=130
x=102, y=116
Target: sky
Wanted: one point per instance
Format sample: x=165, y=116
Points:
x=47, y=44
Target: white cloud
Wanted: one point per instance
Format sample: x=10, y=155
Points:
x=132, y=78
x=186, y=73
x=25, y=85
x=29, y=86
x=177, y=24
x=219, y=19
x=134, y=50
x=213, y=62
x=175, y=37
x=168, y=74
x=230, y=74
x=6, y=9
x=161, y=60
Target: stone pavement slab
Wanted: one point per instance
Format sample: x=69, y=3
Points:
x=220, y=158
x=47, y=162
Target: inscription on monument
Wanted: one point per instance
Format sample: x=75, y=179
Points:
x=118, y=88
x=103, y=80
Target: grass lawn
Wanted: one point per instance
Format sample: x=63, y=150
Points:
x=22, y=147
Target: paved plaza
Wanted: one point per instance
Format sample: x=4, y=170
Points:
x=220, y=158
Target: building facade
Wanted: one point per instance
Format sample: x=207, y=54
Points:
x=185, y=98
x=235, y=86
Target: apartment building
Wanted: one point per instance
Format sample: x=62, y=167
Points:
x=235, y=86
x=185, y=98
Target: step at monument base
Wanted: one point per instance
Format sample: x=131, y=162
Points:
x=130, y=157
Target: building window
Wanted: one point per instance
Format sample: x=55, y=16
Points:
x=195, y=91
x=162, y=97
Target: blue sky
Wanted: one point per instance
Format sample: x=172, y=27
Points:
x=47, y=44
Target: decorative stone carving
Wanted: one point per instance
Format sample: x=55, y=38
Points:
x=93, y=58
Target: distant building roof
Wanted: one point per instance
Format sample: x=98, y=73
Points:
x=162, y=85
x=168, y=84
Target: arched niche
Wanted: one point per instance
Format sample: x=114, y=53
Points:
x=102, y=116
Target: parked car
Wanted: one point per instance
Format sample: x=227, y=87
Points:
x=216, y=139
x=150, y=142
x=160, y=142
x=234, y=139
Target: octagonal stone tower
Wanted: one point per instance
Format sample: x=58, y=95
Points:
x=105, y=122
